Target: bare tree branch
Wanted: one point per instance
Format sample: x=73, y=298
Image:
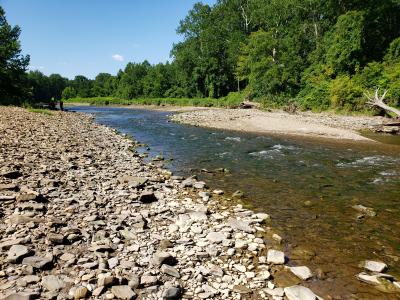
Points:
x=378, y=101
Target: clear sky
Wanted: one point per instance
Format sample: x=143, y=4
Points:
x=85, y=37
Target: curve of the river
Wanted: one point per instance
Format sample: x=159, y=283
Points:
x=307, y=186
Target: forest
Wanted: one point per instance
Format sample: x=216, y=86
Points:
x=315, y=54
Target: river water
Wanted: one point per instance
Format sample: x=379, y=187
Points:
x=307, y=186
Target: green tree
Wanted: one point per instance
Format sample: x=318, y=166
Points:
x=13, y=85
x=68, y=93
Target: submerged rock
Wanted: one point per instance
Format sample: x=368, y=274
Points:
x=365, y=210
x=299, y=292
x=301, y=272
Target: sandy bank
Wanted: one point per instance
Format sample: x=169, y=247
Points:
x=321, y=125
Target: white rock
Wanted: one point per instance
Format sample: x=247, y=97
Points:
x=240, y=268
x=275, y=257
x=216, y=237
x=371, y=279
x=301, y=272
x=298, y=292
x=230, y=251
x=374, y=266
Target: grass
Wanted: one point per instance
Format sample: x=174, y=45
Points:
x=203, y=102
x=42, y=111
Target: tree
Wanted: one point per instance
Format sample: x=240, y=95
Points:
x=103, y=85
x=68, y=93
x=82, y=86
x=13, y=85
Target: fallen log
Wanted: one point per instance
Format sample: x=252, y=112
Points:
x=379, y=101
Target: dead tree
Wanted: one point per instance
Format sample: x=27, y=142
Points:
x=378, y=101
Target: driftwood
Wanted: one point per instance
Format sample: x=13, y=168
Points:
x=377, y=100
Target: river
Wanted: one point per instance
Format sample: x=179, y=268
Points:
x=308, y=186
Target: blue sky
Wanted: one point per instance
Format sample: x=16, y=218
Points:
x=85, y=37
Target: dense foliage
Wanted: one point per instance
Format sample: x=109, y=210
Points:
x=13, y=65
x=317, y=54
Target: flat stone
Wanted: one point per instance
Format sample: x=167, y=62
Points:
x=147, y=280
x=370, y=279
x=172, y=293
x=7, y=244
x=278, y=292
x=7, y=197
x=67, y=256
x=199, y=185
x=52, y=283
x=38, y=262
x=240, y=225
x=21, y=296
x=113, y=262
x=27, y=197
x=162, y=257
x=166, y=269
x=17, y=253
x=55, y=238
x=216, y=237
x=8, y=186
x=302, y=272
x=20, y=219
x=240, y=268
x=123, y=292
x=132, y=181
x=298, y=292
x=128, y=234
x=197, y=216
x=31, y=279
x=31, y=206
x=262, y=216
x=275, y=257
x=374, y=266
x=105, y=280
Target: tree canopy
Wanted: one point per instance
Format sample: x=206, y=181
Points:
x=318, y=54
x=13, y=64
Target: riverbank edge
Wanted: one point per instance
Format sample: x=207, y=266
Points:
x=219, y=204
x=189, y=115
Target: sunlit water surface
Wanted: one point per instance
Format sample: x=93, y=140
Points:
x=307, y=186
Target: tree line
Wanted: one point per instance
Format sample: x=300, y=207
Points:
x=317, y=54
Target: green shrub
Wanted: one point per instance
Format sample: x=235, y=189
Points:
x=315, y=97
x=346, y=94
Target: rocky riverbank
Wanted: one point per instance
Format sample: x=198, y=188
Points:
x=84, y=217
x=308, y=124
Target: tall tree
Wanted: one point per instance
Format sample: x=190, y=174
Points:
x=13, y=65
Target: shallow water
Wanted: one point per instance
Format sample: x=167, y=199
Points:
x=278, y=175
